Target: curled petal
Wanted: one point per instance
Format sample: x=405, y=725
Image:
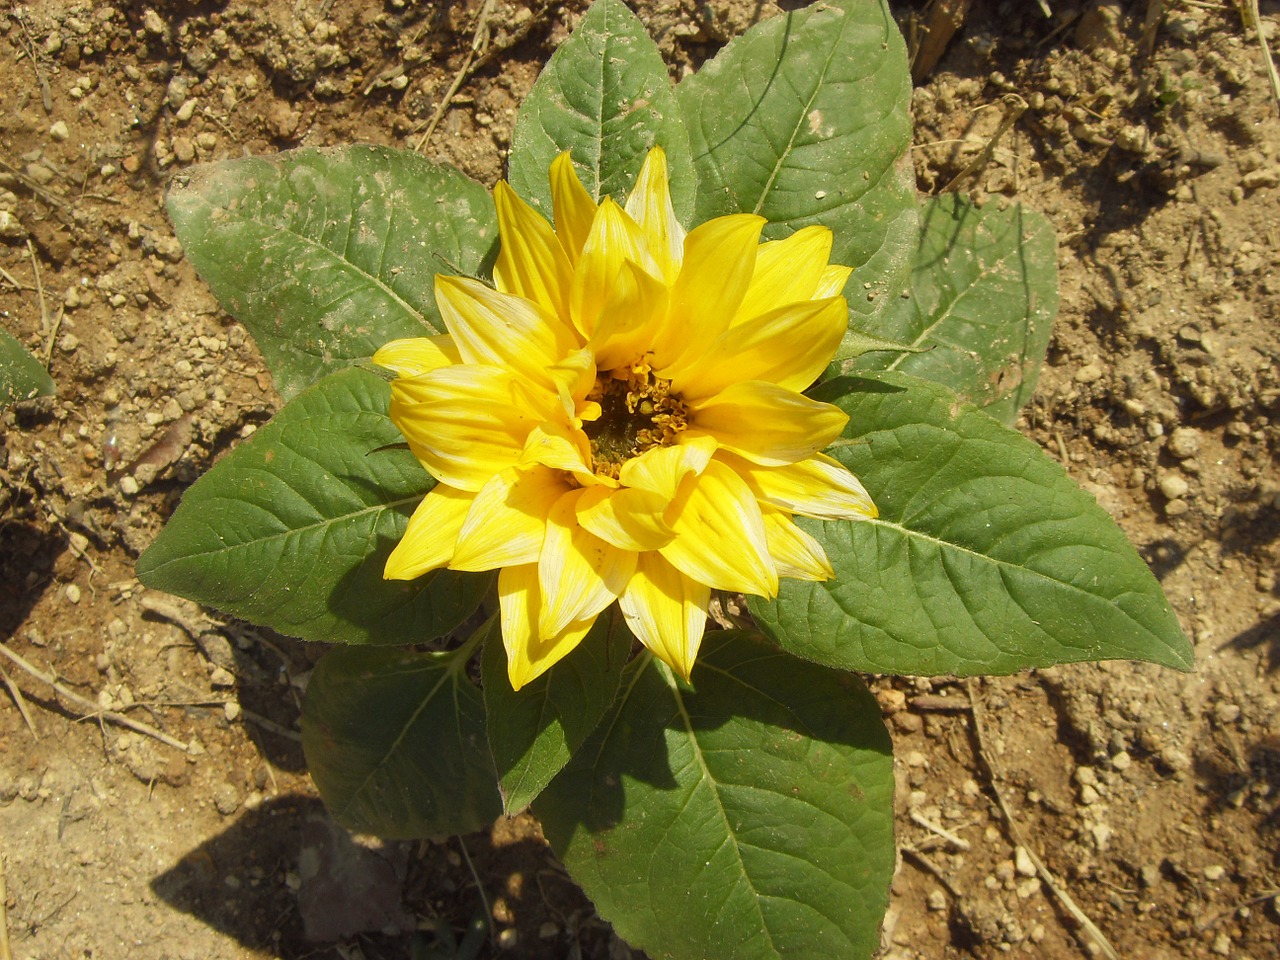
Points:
x=795, y=553
x=660, y=470
x=819, y=487
x=789, y=346
x=635, y=306
x=574, y=209
x=833, y=281
x=417, y=355
x=561, y=448
x=579, y=574
x=507, y=521
x=502, y=329
x=787, y=270
x=465, y=423
x=529, y=655
x=720, y=537
x=649, y=205
x=667, y=611
x=614, y=240
x=767, y=424
x=531, y=261
x=430, y=537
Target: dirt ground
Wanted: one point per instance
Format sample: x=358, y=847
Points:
x=1152, y=798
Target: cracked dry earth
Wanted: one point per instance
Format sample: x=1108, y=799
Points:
x=1152, y=798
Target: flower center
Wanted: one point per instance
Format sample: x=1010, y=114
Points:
x=638, y=411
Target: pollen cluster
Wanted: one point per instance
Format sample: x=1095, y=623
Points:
x=638, y=411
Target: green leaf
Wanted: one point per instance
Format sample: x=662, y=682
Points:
x=534, y=731
x=983, y=296
x=605, y=95
x=986, y=557
x=22, y=376
x=395, y=742
x=325, y=255
x=804, y=119
x=750, y=818
x=292, y=528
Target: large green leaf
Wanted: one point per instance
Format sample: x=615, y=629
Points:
x=395, y=742
x=983, y=296
x=804, y=119
x=605, y=95
x=325, y=255
x=22, y=376
x=750, y=818
x=292, y=528
x=986, y=557
x=534, y=731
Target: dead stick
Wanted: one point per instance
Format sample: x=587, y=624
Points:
x=1015, y=833
x=20, y=700
x=1014, y=107
x=92, y=709
x=4, y=916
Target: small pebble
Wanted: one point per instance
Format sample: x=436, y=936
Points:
x=1121, y=761
x=1174, y=487
x=231, y=710
x=59, y=131
x=185, y=112
x=1088, y=795
x=1176, y=508
x=1215, y=871
x=128, y=485
x=1089, y=373
x=221, y=677
x=1022, y=862
x=1184, y=442
x=73, y=593
x=226, y=798
x=937, y=900
x=1226, y=712
x=508, y=938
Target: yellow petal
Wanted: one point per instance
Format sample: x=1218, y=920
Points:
x=507, y=521
x=614, y=239
x=628, y=519
x=765, y=423
x=417, y=355
x=833, y=281
x=429, y=538
x=786, y=271
x=719, y=258
x=819, y=487
x=502, y=329
x=530, y=655
x=464, y=423
x=649, y=205
x=579, y=574
x=789, y=346
x=660, y=469
x=666, y=611
x=795, y=553
x=559, y=447
x=574, y=209
x=636, y=304
x=720, y=538
x=531, y=261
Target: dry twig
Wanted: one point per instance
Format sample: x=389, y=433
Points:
x=1014, y=107
x=92, y=709
x=1250, y=12
x=21, y=701
x=4, y=916
x=1015, y=832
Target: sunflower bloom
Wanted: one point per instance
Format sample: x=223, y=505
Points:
x=619, y=418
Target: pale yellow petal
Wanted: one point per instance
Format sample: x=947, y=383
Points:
x=628, y=519
x=720, y=538
x=666, y=611
x=464, y=423
x=819, y=487
x=719, y=258
x=502, y=329
x=430, y=537
x=531, y=261
x=579, y=574
x=765, y=423
x=507, y=521
x=417, y=355
x=789, y=346
x=614, y=240
x=787, y=270
x=795, y=553
x=649, y=205
x=529, y=655
x=574, y=209
x=661, y=469
x=833, y=281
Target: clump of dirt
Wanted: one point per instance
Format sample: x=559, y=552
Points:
x=1149, y=798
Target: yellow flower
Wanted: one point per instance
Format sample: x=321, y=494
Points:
x=619, y=417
